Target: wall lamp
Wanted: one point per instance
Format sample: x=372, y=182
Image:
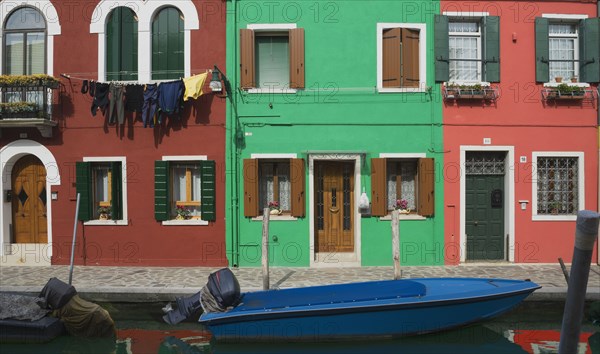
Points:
x=218, y=80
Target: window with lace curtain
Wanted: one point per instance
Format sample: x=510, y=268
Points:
x=564, y=50
x=465, y=51
x=275, y=184
x=402, y=183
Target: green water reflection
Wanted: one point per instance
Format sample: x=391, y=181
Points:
x=532, y=328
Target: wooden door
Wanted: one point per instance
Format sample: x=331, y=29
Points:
x=30, y=224
x=334, y=209
x=485, y=217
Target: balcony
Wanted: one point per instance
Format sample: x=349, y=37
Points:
x=26, y=101
x=470, y=92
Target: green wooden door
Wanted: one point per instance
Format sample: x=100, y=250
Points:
x=485, y=217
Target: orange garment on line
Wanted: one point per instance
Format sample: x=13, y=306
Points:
x=193, y=86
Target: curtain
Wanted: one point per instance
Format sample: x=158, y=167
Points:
x=272, y=61
x=464, y=47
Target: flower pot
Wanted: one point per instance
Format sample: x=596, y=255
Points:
x=180, y=217
x=103, y=216
x=558, y=79
x=404, y=211
x=275, y=212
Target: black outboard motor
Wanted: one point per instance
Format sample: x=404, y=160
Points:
x=224, y=288
x=222, y=292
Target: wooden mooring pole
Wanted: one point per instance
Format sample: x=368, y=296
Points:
x=586, y=232
x=396, y=244
x=265, y=248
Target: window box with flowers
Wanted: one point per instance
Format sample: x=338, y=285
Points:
x=104, y=212
x=182, y=213
x=480, y=91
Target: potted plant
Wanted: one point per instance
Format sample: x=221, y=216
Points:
x=274, y=208
x=182, y=212
x=402, y=206
x=558, y=79
x=104, y=212
x=28, y=80
x=18, y=110
x=574, y=79
x=566, y=91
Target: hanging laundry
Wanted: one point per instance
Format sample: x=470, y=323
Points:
x=92, y=88
x=134, y=98
x=193, y=86
x=116, y=101
x=170, y=95
x=84, y=87
x=100, y=97
x=150, y=105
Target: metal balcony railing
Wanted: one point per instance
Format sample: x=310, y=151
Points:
x=474, y=93
x=26, y=102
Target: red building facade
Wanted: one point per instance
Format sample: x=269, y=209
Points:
x=520, y=113
x=149, y=196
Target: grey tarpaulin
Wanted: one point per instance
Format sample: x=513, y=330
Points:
x=20, y=307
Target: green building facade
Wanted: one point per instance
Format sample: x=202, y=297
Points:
x=330, y=103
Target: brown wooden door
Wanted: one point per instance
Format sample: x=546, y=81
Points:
x=334, y=209
x=30, y=224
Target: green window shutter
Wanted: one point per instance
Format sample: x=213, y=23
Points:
x=442, y=50
x=542, y=50
x=83, y=185
x=117, y=190
x=492, y=49
x=207, y=181
x=167, y=45
x=589, y=50
x=161, y=191
x=121, y=45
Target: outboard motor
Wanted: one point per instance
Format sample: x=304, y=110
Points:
x=221, y=293
x=224, y=288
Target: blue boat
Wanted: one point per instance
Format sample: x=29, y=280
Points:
x=391, y=308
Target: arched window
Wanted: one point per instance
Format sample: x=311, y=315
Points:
x=122, y=45
x=25, y=42
x=167, y=44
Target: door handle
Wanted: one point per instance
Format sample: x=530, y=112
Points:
x=334, y=210
x=475, y=223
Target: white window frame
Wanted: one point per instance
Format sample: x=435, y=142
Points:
x=571, y=19
x=146, y=12
x=185, y=158
x=422, y=27
x=125, y=218
x=534, y=184
x=268, y=156
x=400, y=156
x=272, y=27
x=477, y=35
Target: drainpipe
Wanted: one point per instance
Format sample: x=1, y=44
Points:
x=232, y=120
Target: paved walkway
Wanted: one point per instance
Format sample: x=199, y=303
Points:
x=164, y=283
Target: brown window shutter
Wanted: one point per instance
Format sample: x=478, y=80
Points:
x=250, y=187
x=426, y=186
x=378, y=187
x=392, y=38
x=247, y=59
x=297, y=175
x=410, y=57
x=297, y=58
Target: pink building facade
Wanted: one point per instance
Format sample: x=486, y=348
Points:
x=520, y=144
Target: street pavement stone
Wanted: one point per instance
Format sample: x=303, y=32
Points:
x=140, y=284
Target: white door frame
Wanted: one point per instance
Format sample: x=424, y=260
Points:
x=335, y=260
x=9, y=155
x=509, y=197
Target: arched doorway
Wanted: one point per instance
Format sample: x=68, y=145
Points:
x=29, y=204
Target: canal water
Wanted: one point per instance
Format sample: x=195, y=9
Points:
x=534, y=328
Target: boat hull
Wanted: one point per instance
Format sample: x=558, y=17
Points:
x=447, y=303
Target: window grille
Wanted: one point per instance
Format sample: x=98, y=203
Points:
x=485, y=163
x=557, y=185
